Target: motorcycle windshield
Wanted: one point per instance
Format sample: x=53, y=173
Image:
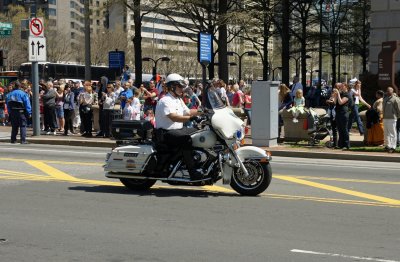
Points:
x=214, y=99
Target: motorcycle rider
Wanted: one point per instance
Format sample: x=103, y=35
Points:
x=171, y=113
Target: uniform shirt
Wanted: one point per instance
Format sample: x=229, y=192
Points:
x=167, y=105
x=22, y=97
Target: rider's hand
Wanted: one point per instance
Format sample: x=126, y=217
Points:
x=197, y=119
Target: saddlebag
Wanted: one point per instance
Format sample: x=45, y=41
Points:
x=131, y=129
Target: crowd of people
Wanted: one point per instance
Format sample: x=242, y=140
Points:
x=66, y=107
x=342, y=103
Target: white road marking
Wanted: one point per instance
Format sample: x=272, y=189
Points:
x=55, y=151
x=341, y=255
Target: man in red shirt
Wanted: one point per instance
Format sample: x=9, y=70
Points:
x=150, y=97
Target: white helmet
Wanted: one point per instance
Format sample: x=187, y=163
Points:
x=173, y=79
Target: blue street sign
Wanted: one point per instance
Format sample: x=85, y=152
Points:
x=116, y=59
x=205, y=48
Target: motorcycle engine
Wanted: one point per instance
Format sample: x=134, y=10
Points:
x=199, y=157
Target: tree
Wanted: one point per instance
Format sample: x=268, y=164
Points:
x=16, y=48
x=204, y=16
x=359, y=31
x=302, y=20
x=333, y=21
x=254, y=14
x=139, y=8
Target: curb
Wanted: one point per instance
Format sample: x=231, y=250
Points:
x=338, y=156
x=355, y=156
x=59, y=142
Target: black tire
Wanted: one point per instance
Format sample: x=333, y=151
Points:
x=260, y=175
x=138, y=184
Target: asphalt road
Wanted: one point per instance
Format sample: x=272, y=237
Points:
x=56, y=205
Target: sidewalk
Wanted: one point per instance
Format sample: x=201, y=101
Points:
x=284, y=150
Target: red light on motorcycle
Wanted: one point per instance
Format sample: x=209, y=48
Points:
x=242, y=142
x=246, y=130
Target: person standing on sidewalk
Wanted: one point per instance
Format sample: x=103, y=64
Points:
x=49, y=108
x=19, y=108
x=375, y=129
x=69, y=108
x=391, y=112
x=354, y=115
x=342, y=115
x=86, y=100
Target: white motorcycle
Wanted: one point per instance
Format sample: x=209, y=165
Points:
x=139, y=162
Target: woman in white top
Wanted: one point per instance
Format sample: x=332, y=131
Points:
x=108, y=108
x=354, y=116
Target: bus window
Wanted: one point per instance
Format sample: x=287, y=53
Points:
x=72, y=71
x=25, y=71
x=51, y=70
x=81, y=72
x=61, y=71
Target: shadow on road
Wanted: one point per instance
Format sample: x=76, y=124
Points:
x=158, y=192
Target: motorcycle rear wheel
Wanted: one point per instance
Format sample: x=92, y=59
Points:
x=138, y=184
x=260, y=175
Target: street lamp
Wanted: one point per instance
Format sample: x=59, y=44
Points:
x=273, y=71
x=164, y=59
x=297, y=62
x=249, y=53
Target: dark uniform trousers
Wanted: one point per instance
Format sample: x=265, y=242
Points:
x=18, y=121
x=180, y=138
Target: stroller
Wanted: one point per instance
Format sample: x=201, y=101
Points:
x=319, y=127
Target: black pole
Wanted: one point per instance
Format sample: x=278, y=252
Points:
x=320, y=46
x=88, y=74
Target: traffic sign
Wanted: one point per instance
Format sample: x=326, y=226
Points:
x=36, y=27
x=6, y=26
x=5, y=33
x=205, y=47
x=37, y=49
x=116, y=59
x=5, y=29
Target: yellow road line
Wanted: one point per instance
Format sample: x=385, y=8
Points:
x=348, y=180
x=339, y=190
x=51, y=171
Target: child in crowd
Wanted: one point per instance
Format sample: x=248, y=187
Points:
x=128, y=110
x=299, y=103
x=150, y=117
x=136, y=105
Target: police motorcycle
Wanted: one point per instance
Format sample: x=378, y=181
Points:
x=139, y=161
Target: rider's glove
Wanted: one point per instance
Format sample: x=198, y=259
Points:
x=197, y=119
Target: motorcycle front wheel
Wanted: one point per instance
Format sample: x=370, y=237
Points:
x=260, y=175
x=138, y=184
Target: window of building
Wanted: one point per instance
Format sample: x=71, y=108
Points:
x=52, y=22
x=52, y=12
x=72, y=35
x=53, y=2
x=98, y=22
